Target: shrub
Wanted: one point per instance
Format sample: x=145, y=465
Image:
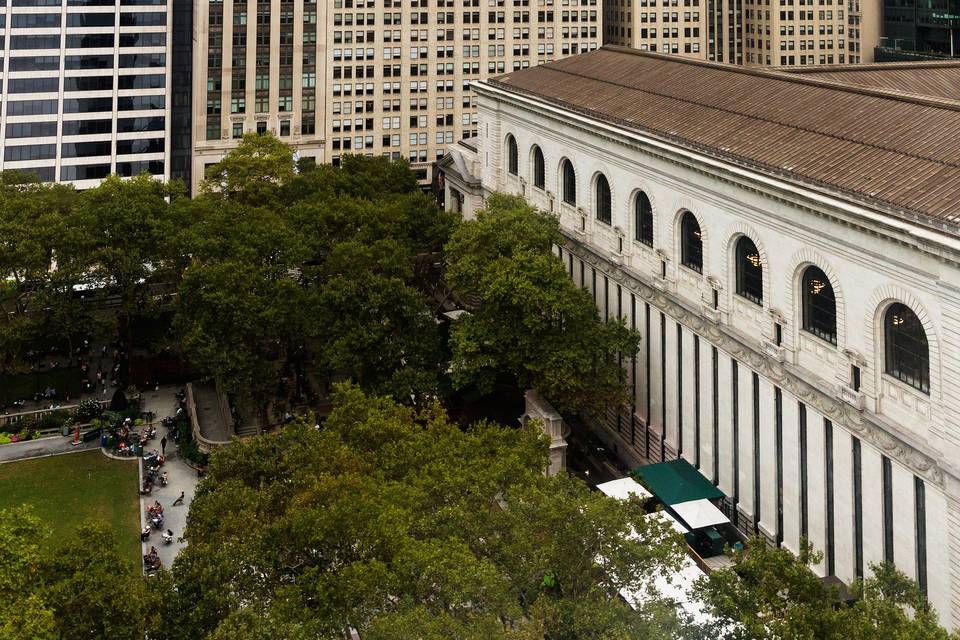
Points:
x=88, y=409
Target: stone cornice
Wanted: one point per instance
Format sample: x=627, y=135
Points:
x=877, y=222
x=865, y=425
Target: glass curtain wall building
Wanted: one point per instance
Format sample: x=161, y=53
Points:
x=85, y=85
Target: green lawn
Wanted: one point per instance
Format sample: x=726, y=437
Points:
x=67, y=489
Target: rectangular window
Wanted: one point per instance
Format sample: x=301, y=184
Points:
x=663, y=386
x=804, y=496
x=606, y=298
x=855, y=377
x=646, y=307
x=679, y=390
x=735, y=383
x=756, y=452
x=831, y=525
x=887, y=486
x=633, y=366
x=715, y=365
x=696, y=400
x=857, y=508
x=778, y=446
x=920, y=531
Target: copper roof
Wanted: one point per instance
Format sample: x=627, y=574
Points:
x=899, y=153
x=937, y=79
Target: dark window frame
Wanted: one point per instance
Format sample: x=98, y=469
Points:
x=819, y=304
x=906, y=349
x=568, y=179
x=749, y=271
x=513, y=156
x=539, y=169
x=643, y=219
x=691, y=242
x=602, y=200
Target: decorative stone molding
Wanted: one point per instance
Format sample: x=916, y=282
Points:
x=881, y=298
x=791, y=379
x=733, y=234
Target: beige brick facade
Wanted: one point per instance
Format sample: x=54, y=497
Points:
x=751, y=32
x=384, y=77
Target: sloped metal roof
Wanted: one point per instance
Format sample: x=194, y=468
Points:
x=898, y=152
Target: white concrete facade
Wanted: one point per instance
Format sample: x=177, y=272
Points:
x=779, y=427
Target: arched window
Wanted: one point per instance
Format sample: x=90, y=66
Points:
x=691, y=243
x=749, y=271
x=513, y=155
x=569, y=183
x=603, y=199
x=819, y=305
x=539, y=172
x=643, y=219
x=907, y=356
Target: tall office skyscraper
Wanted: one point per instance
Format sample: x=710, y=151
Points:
x=85, y=86
x=751, y=32
x=384, y=77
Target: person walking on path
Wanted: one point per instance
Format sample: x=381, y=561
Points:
x=163, y=446
x=179, y=500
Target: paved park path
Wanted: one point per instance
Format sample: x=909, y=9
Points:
x=51, y=446
x=181, y=478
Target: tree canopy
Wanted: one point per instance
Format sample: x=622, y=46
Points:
x=80, y=589
x=530, y=322
x=769, y=593
x=390, y=517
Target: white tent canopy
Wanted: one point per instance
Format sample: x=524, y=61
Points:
x=623, y=488
x=698, y=514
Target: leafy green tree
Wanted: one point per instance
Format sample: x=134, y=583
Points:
x=93, y=592
x=122, y=222
x=890, y=605
x=21, y=536
x=391, y=517
x=254, y=172
x=769, y=593
x=33, y=218
x=370, y=324
x=530, y=322
x=34, y=223
x=82, y=589
x=356, y=177
x=233, y=319
x=317, y=266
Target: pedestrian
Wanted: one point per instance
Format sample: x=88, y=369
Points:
x=163, y=446
x=179, y=500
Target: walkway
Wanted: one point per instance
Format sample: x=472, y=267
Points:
x=181, y=477
x=43, y=447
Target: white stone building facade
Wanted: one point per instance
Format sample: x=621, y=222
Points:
x=809, y=435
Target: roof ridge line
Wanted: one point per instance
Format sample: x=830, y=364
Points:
x=796, y=78
x=863, y=143
x=913, y=215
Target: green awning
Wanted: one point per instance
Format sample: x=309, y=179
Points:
x=676, y=481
